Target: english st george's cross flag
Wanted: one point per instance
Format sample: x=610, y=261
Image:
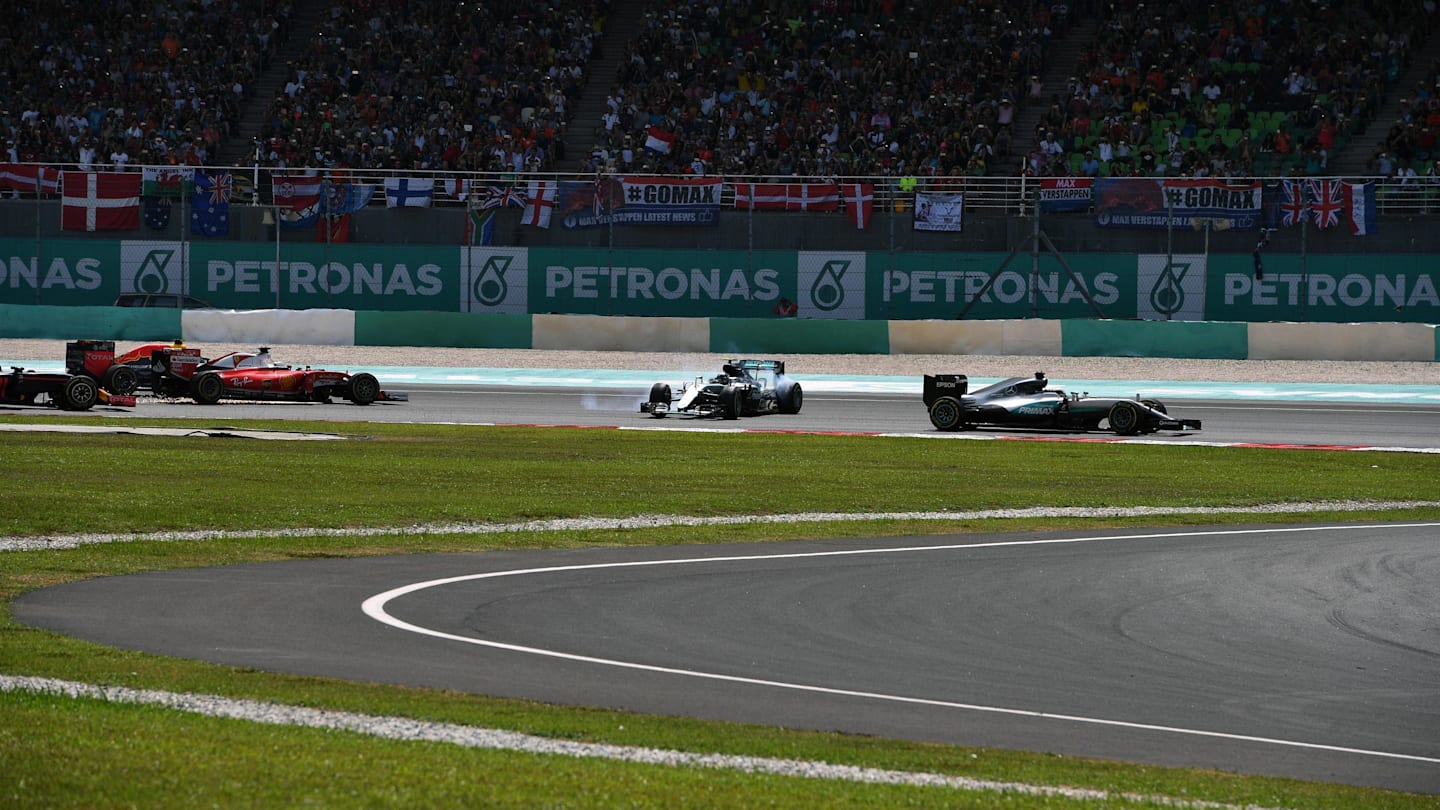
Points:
x=100, y=202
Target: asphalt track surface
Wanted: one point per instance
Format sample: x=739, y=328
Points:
x=1318, y=423
x=1308, y=652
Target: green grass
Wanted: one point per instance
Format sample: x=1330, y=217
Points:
x=398, y=475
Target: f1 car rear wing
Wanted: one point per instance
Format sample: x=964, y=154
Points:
x=944, y=385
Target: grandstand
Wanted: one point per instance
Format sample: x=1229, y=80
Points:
x=790, y=89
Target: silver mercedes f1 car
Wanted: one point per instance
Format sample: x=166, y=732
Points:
x=1028, y=402
x=742, y=388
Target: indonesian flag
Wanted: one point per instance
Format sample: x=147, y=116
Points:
x=760, y=196
x=20, y=177
x=100, y=202
x=539, y=204
x=859, y=203
x=812, y=197
x=658, y=140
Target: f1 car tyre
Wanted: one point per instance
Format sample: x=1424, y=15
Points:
x=79, y=394
x=660, y=392
x=731, y=402
x=207, y=388
x=945, y=413
x=792, y=403
x=1125, y=418
x=364, y=389
x=120, y=380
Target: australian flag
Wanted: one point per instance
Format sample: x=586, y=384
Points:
x=156, y=213
x=210, y=211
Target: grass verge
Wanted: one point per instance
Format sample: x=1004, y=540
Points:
x=398, y=475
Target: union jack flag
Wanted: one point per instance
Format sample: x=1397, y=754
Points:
x=1292, y=203
x=1327, y=202
x=220, y=189
x=501, y=197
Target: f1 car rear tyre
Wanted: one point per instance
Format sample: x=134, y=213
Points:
x=364, y=389
x=120, y=380
x=207, y=388
x=792, y=402
x=731, y=402
x=945, y=413
x=1125, y=418
x=79, y=394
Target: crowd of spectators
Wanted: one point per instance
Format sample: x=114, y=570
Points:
x=485, y=85
x=1410, y=150
x=1231, y=88
x=130, y=82
x=826, y=87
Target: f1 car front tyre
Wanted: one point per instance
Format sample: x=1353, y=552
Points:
x=121, y=380
x=793, y=400
x=79, y=394
x=364, y=389
x=659, y=392
x=207, y=388
x=731, y=402
x=1125, y=418
x=945, y=414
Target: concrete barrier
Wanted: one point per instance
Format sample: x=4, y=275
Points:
x=323, y=327
x=768, y=336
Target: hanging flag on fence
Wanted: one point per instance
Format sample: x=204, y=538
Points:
x=859, y=203
x=480, y=226
x=156, y=212
x=299, y=199
x=409, y=192
x=210, y=207
x=100, y=202
x=29, y=179
x=1360, y=207
x=167, y=181
x=1326, y=201
x=540, y=203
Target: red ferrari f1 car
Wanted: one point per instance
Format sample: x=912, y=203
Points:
x=178, y=371
x=91, y=376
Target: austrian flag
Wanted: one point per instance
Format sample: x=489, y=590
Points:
x=100, y=202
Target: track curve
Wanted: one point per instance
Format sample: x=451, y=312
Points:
x=1295, y=651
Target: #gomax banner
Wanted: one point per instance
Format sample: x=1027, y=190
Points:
x=831, y=285
x=495, y=280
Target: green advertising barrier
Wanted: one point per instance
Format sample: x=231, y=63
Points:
x=1324, y=289
x=940, y=286
x=59, y=272
x=671, y=283
x=463, y=330
x=100, y=323
x=1187, y=339
x=831, y=285
x=795, y=336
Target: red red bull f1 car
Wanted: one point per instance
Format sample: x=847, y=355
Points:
x=1028, y=402
x=91, y=376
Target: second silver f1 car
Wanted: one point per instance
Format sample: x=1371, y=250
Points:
x=742, y=388
x=1027, y=402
